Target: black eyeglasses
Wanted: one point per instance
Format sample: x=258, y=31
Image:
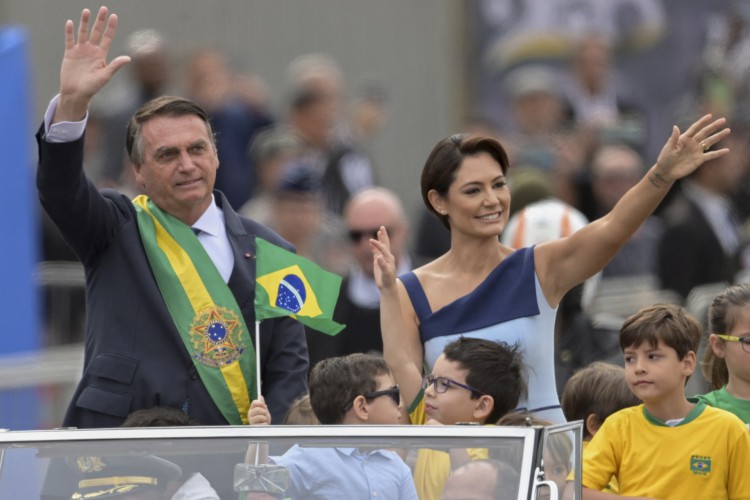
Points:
x=356, y=235
x=441, y=384
x=394, y=393
x=745, y=341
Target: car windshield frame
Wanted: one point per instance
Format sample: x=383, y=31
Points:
x=48, y=444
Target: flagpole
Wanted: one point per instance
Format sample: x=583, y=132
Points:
x=257, y=355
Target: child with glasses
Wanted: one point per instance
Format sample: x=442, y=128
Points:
x=357, y=389
x=474, y=381
x=667, y=447
x=726, y=365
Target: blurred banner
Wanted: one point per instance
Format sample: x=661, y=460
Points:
x=18, y=224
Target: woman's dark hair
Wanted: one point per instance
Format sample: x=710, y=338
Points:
x=446, y=158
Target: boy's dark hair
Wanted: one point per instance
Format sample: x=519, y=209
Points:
x=599, y=389
x=159, y=416
x=495, y=368
x=336, y=382
x=673, y=325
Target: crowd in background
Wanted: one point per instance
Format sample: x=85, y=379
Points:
x=576, y=140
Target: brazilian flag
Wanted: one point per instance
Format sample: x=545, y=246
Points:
x=290, y=285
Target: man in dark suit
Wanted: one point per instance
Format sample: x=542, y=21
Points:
x=702, y=241
x=142, y=350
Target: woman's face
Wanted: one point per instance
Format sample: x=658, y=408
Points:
x=478, y=200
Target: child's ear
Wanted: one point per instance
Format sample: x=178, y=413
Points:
x=483, y=407
x=359, y=407
x=688, y=363
x=717, y=344
x=592, y=424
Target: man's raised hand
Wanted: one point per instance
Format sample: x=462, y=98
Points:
x=84, y=68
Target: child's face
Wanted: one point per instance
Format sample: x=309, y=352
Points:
x=455, y=404
x=383, y=409
x=738, y=361
x=655, y=373
x=556, y=470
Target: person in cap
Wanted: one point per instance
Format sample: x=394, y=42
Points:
x=131, y=477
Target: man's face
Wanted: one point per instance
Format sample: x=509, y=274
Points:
x=179, y=165
x=362, y=222
x=615, y=174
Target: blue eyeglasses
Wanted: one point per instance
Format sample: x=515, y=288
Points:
x=441, y=384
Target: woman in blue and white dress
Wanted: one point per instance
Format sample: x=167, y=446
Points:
x=481, y=288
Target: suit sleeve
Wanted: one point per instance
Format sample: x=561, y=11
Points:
x=86, y=219
x=676, y=267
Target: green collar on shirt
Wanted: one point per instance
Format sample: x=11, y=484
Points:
x=694, y=413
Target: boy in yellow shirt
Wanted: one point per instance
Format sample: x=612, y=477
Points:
x=667, y=447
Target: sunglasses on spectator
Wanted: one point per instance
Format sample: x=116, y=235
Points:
x=745, y=341
x=394, y=393
x=356, y=235
x=441, y=384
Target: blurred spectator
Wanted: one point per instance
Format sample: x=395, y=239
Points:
x=614, y=170
x=237, y=110
x=298, y=215
x=367, y=113
x=192, y=484
x=271, y=152
x=598, y=101
x=542, y=221
x=358, y=306
x=316, y=94
x=150, y=76
x=701, y=239
x=543, y=135
x=528, y=185
x=480, y=479
x=301, y=412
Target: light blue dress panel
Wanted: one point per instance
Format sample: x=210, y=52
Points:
x=507, y=306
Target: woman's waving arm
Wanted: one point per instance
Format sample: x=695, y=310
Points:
x=562, y=264
x=402, y=348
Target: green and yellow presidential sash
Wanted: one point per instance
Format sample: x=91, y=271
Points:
x=203, y=309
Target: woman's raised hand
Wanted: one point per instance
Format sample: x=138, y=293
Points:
x=683, y=153
x=384, y=263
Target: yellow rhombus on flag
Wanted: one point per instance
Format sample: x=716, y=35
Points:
x=290, y=285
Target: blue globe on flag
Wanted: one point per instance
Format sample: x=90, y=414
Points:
x=292, y=293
